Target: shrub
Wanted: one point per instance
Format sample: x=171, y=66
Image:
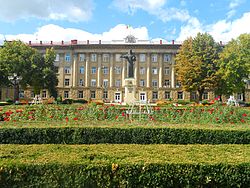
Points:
x=81, y=101
x=67, y=101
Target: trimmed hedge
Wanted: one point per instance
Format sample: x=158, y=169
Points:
x=96, y=135
x=125, y=175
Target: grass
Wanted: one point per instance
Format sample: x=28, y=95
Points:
x=124, y=154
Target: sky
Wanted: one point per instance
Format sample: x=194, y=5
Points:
x=106, y=20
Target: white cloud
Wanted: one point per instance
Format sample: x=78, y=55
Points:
x=153, y=7
x=71, y=10
x=57, y=33
x=222, y=30
x=232, y=7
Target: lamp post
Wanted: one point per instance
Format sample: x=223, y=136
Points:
x=15, y=80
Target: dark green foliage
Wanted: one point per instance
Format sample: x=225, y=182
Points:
x=88, y=135
x=67, y=101
x=126, y=175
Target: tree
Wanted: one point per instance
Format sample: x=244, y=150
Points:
x=196, y=64
x=26, y=62
x=235, y=65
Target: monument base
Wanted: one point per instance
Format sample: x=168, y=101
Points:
x=129, y=97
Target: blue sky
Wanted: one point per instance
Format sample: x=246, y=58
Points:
x=107, y=19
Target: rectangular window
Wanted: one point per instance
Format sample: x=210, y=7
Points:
x=21, y=94
x=66, y=82
x=67, y=70
x=118, y=58
x=205, y=95
x=178, y=84
x=167, y=94
x=81, y=57
x=92, y=94
x=81, y=70
x=167, y=83
x=142, y=57
x=93, y=82
x=80, y=94
x=66, y=94
x=154, y=58
x=117, y=83
x=93, y=70
x=93, y=57
x=57, y=57
x=105, y=94
x=117, y=70
x=142, y=70
x=32, y=94
x=154, y=83
x=154, y=70
x=193, y=96
x=67, y=57
x=105, y=83
x=167, y=58
x=167, y=71
x=44, y=94
x=155, y=95
x=180, y=95
x=240, y=96
x=105, y=57
x=81, y=82
x=142, y=83
x=105, y=70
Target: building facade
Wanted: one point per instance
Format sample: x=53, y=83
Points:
x=95, y=71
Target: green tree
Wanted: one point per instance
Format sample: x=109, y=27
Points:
x=235, y=65
x=196, y=64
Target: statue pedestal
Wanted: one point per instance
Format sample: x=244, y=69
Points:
x=129, y=97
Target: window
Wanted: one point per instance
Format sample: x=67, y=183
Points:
x=67, y=70
x=154, y=70
x=155, y=95
x=142, y=57
x=32, y=94
x=117, y=70
x=154, y=83
x=167, y=83
x=178, y=84
x=105, y=83
x=66, y=94
x=93, y=57
x=143, y=97
x=44, y=94
x=180, y=95
x=205, y=95
x=66, y=82
x=167, y=57
x=167, y=71
x=154, y=58
x=193, y=96
x=81, y=57
x=118, y=58
x=67, y=57
x=117, y=97
x=92, y=94
x=105, y=70
x=81, y=70
x=105, y=94
x=80, y=94
x=93, y=70
x=105, y=57
x=117, y=83
x=21, y=94
x=142, y=82
x=142, y=70
x=167, y=94
x=57, y=57
x=240, y=96
x=81, y=82
x=93, y=82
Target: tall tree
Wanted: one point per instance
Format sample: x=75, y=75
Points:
x=235, y=65
x=196, y=64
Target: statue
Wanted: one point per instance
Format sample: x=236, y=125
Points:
x=130, y=57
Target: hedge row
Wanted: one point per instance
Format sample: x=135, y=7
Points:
x=125, y=175
x=96, y=135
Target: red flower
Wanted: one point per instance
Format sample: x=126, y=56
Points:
x=51, y=116
x=242, y=121
x=67, y=119
x=75, y=119
x=123, y=113
x=116, y=117
x=244, y=115
x=217, y=119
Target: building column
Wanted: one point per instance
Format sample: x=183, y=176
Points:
x=160, y=70
x=148, y=70
x=99, y=67
x=172, y=77
x=87, y=71
x=74, y=71
x=111, y=70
